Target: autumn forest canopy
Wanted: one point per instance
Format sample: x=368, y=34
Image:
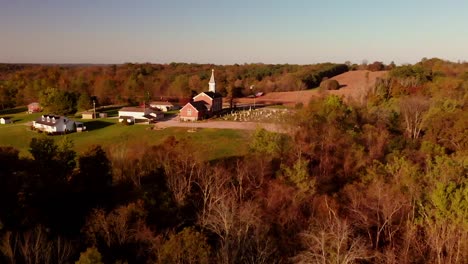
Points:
x=135, y=83
x=383, y=179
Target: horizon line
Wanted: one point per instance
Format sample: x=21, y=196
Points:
x=220, y=64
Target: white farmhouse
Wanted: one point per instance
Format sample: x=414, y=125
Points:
x=54, y=124
x=139, y=115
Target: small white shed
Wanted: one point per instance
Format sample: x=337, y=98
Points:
x=5, y=120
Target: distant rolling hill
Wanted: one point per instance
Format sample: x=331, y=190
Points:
x=353, y=84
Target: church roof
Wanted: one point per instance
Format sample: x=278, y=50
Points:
x=212, y=76
x=49, y=120
x=213, y=94
x=199, y=105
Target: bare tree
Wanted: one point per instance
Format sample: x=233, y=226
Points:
x=447, y=241
x=115, y=228
x=62, y=250
x=234, y=223
x=8, y=246
x=212, y=187
x=226, y=212
x=413, y=110
x=411, y=81
x=258, y=248
x=332, y=242
x=34, y=247
x=380, y=211
x=180, y=174
x=248, y=177
x=124, y=168
x=383, y=87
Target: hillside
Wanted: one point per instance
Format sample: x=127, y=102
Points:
x=353, y=84
x=356, y=83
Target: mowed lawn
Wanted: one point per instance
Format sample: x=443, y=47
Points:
x=212, y=143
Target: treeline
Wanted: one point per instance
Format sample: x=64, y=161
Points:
x=314, y=79
x=135, y=83
x=379, y=181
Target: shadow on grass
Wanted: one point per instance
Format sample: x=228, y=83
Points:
x=110, y=111
x=97, y=124
x=169, y=116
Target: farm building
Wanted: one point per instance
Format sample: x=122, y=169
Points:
x=55, y=124
x=139, y=115
x=163, y=106
x=5, y=120
x=211, y=101
x=214, y=101
x=34, y=107
x=87, y=115
x=193, y=111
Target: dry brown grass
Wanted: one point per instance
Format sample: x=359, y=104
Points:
x=353, y=85
x=356, y=83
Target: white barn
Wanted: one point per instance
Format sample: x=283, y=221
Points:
x=54, y=124
x=139, y=115
x=5, y=120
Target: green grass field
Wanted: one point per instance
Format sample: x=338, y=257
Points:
x=212, y=143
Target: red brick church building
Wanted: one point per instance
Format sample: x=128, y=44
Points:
x=203, y=105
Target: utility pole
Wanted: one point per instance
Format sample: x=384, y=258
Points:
x=94, y=108
x=253, y=91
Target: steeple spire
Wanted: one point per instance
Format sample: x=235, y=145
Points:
x=212, y=84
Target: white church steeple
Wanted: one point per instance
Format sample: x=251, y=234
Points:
x=212, y=84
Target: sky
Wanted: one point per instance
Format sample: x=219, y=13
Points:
x=235, y=31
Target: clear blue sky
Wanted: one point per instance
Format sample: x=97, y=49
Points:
x=235, y=31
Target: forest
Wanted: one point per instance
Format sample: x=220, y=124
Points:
x=382, y=180
x=72, y=86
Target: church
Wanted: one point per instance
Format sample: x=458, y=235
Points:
x=203, y=105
